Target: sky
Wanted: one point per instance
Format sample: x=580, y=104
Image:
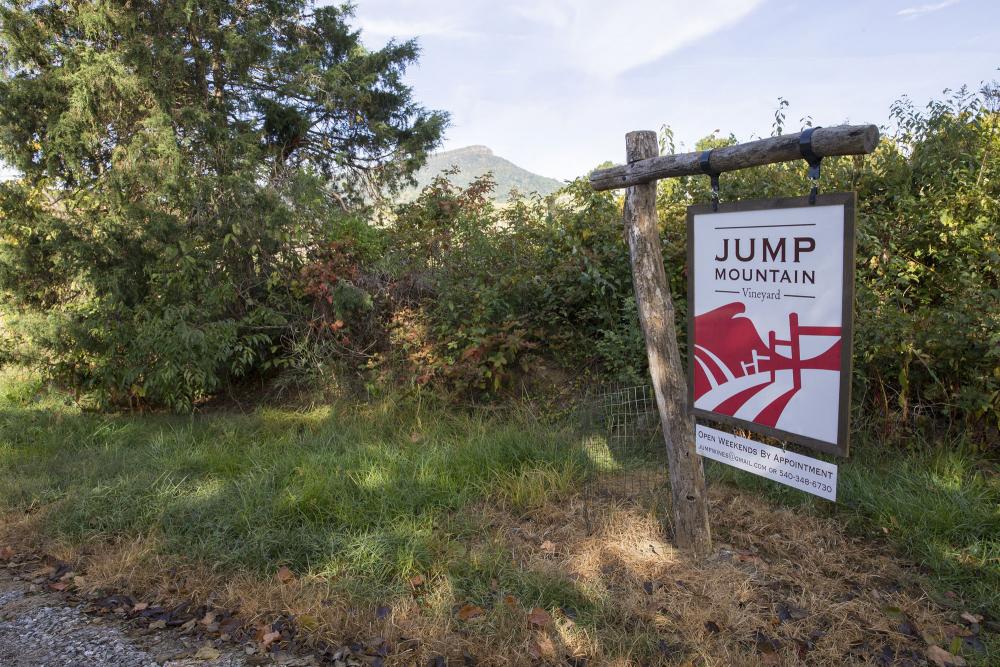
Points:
x=554, y=85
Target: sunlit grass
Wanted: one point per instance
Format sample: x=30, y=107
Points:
x=370, y=493
x=367, y=495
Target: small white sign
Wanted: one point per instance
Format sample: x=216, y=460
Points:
x=801, y=472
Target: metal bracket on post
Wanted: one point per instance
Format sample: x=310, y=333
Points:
x=806, y=151
x=706, y=168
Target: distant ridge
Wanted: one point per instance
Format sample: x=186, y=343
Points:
x=474, y=161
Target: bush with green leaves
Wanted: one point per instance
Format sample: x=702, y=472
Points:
x=181, y=163
x=556, y=270
x=504, y=287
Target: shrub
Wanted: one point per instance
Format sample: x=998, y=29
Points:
x=182, y=163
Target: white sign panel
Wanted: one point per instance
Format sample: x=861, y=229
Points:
x=769, y=317
x=801, y=472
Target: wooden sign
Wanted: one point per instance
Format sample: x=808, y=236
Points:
x=770, y=311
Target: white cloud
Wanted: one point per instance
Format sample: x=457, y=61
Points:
x=920, y=10
x=592, y=37
x=604, y=40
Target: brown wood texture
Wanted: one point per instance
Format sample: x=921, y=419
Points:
x=656, y=315
x=826, y=142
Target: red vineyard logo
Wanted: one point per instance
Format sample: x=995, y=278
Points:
x=737, y=374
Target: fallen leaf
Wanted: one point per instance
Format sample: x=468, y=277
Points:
x=140, y=606
x=510, y=601
x=971, y=618
x=942, y=658
x=209, y=618
x=6, y=553
x=188, y=626
x=269, y=638
x=284, y=575
x=469, y=611
x=157, y=625
x=952, y=630
x=417, y=581
x=539, y=617
x=207, y=652
x=58, y=586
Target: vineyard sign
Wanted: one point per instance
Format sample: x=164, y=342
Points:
x=770, y=295
x=769, y=313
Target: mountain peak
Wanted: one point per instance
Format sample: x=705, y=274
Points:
x=476, y=149
x=475, y=161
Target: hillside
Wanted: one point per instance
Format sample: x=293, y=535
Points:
x=474, y=161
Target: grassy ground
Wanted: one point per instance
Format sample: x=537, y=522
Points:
x=938, y=507
x=367, y=501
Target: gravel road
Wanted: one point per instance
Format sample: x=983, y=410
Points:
x=40, y=629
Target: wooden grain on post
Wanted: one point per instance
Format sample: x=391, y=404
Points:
x=826, y=142
x=656, y=314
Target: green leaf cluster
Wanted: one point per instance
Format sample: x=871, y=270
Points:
x=180, y=162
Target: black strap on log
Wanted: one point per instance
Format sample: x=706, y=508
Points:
x=706, y=168
x=806, y=150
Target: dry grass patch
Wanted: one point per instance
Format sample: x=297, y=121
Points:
x=782, y=589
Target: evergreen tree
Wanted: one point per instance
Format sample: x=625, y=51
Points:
x=180, y=161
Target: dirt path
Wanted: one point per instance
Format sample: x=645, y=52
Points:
x=42, y=629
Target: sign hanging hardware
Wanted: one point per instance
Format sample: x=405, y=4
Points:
x=713, y=174
x=806, y=151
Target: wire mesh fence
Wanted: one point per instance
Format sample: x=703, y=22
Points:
x=625, y=448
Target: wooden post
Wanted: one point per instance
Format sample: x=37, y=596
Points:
x=656, y=314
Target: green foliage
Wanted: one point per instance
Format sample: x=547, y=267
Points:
x=182, y=162
x=483, y=294
x=929, y=268
x=927, y=324
x=504, y=285
x=189, y=216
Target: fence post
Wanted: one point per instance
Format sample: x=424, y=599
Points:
x=656, y=314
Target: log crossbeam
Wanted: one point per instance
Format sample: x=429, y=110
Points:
x=826, y=142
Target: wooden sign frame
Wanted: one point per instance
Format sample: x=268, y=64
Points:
x=849, y=202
